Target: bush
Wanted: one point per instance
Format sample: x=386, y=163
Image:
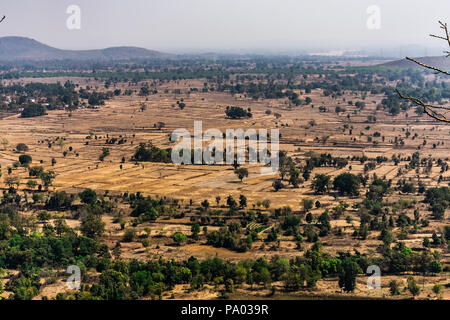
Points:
x=130, y=235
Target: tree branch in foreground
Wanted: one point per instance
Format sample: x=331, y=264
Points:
x=429, y=109
x=436, y=112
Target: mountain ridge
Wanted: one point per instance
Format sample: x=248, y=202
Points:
x=13, y=48
x=440, y=62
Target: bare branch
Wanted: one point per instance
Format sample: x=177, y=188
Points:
x=437, y=112
x=440, y=113
x=446, y=38
x=1, y=20
x=428, y=67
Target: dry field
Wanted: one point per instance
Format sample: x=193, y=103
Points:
x=122, y=117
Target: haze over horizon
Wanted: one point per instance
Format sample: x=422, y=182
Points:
x=228, y=26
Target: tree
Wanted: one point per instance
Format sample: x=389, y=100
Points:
x=292, y=280
x=59, y=200
x=277, y=185
x=436, y=112
x=25, y=159
x=145, y=91
x=321, y=183
x=105, y=153
x=307, y=204
x=437, y=289
x=33, y=110
x=5, y=143
x=242, y=201
x=179, y=238
x=266, y=203
x=61, y=143
x=363, y=231
x=47, y=178
x=129, y=235
x=88, y=196
x=241, y=173
x=237, y=112
x=31, y=184
x=394, y=287
x=438, y=211
x=92, y=226
x=231, y=202
x=263, y=276
x=294, y=176
x=348, y=270
x=347, y=184
x=426, y=242
x=35, y=171
x=412, y=286
x=195, y=229
x=435, y=267
x=205, y=204
x=44, y=216
x=229, y=285
x=21, y=147
x=148, y=231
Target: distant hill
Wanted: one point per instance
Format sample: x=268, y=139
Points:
x=20, y=48
x=438, y=62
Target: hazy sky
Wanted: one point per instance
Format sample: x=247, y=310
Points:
x=225, y=24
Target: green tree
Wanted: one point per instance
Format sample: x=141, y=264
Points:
x=394, y=287
x=437, y=289
x=307, y=204
x=347, y=184
x=179, y=238
x=88, y=196
x=25, y=159
x=321, y=183
x=412, y=286
x=92, y=226
x=44, y=216
x=348, y=271
x=277, y=185
x=195, y=229
x=242, y=201
x=47, y=178
x=241, y=173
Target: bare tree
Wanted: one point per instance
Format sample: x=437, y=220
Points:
x=436, y=112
